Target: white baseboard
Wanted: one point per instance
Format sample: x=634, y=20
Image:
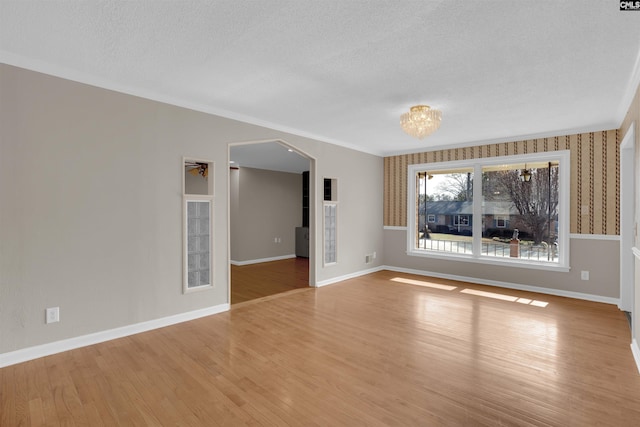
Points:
x=635, y=350
x=349, y=276
x=30, y=353
x=258, y=261
x=508, y=285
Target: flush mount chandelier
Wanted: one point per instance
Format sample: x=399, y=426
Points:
x=421, y=121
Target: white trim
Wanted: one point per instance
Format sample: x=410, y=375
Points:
x=635, y=350
x=564, y=159
x=508, y=285
x=594, y=236
x=313, y=179
x=348, y=276
x=571, y=235
x=261, y=260
x=636, y=252
x=30, y=353
x=20, y=61
x=488, y=259
x=606, y=125
x=40, y=66
x=628, y=185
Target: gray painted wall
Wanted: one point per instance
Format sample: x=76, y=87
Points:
x=93, y=224
x=268, y=204
x=599, y=257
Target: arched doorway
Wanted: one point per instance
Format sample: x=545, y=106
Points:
x=265, y=210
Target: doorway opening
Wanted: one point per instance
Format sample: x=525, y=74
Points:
x=271, y=210
x=628, y=220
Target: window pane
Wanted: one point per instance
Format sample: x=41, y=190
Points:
x=444, y=214
x=520, y=211
x=330, y=233
x=198, y=253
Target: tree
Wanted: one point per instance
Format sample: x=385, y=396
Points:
x=458, y=187
x=536, y=200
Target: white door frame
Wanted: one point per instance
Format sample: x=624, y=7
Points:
x=312, y=209
x=628, y=177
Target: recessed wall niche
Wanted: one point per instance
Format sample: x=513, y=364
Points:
x=330, y=221
x=198, y=177
x=330, y=189
x=197, y=204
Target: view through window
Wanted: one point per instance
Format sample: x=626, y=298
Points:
x=509, y=211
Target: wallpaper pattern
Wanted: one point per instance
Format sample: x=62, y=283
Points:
x=595, y=176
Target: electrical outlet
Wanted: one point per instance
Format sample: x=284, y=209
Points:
x=584, y=275
x=53, y=314
x=374, y=255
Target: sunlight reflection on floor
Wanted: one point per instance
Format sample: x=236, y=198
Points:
x=423, y=283
x=504, y=297
x=494, y=295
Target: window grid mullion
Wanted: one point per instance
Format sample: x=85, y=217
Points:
x=477, y=210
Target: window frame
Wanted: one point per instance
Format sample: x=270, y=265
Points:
x=457, y=220
x=186, y=198
x=329, y=233
x=564, y=170
x=185, y=231
x=431, y=218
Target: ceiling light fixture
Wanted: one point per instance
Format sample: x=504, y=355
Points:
x=421, y=121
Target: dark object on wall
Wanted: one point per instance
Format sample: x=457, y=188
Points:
x=327, y=189
x=305, y=199
x=302, y=242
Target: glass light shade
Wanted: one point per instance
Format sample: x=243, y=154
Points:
x=421, y=121
x=525, y=175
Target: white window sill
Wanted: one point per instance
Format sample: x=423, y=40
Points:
x=504, y=262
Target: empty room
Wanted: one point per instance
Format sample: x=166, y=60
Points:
x=332, y=213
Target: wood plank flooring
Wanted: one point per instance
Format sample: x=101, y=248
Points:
x=253, y=281
x=386, y=349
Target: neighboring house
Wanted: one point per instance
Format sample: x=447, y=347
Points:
x=448, y=217
x=499, y=218
x=91, y=189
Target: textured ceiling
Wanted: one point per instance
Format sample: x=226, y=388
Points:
x=343, y=71
x=268, y=155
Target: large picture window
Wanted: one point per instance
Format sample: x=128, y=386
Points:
x=512, y=210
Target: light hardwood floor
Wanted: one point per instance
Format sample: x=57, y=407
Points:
x=252, y=281
x=370, y=351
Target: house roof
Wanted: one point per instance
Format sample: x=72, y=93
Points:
x=450, y=208
x=343, y=72
x=466, y=208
